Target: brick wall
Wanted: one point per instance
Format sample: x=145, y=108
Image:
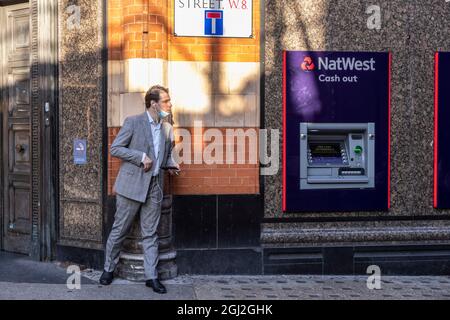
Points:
x=203, y=178
x=137, y=29
x=215, y=49
x=143, y=29
x=113, y=163
x=115, y=30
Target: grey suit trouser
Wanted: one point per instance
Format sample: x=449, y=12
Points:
x=150, y=213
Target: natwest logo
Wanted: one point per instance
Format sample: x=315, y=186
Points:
x=307, y=64
x=346, y=64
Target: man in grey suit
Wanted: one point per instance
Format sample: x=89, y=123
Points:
x=144, y=144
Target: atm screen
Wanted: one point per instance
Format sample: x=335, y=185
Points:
x=329, y=150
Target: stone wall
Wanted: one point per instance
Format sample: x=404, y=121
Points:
x=412, y=30
x=81, y=117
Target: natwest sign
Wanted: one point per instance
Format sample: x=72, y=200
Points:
x=346, y=64
x=338, y=64
x=328, y=67
x=213, y=18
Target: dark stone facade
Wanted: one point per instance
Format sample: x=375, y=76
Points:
x=82, y=116
x=412, y=31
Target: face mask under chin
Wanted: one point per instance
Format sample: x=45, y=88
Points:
x=163, y=114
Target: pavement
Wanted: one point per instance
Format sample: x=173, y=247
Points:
x=24, y=279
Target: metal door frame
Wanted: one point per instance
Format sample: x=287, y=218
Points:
x=2, y=107
x=44, y=124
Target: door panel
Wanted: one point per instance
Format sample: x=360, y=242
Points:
x=15, y=102
x=19, y=210
x=19, y=92
x=19, y=152
x=18, y=32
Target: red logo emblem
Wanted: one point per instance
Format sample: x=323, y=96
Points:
x=308, y=64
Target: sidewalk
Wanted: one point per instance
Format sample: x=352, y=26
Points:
x=21, y=278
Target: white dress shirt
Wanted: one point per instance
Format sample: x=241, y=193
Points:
x=156, y=134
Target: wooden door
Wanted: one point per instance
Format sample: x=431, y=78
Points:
x=15, y=132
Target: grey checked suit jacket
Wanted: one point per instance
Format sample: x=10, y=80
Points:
x=135, y=138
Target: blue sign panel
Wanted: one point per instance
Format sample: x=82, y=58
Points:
x=79, y=151
x=442, y=132
x=336, y=131
x=214, y=22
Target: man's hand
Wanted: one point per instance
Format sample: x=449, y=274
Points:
x=148, y=163
x=174, y=172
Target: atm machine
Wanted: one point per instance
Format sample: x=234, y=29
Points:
x=336, y=135
x=337, y=155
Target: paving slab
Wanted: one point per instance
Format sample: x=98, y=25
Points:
x=21, y=278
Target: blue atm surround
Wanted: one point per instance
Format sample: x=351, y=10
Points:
x=340, y=88
x=441, y=132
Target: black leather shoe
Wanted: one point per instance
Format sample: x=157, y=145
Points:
x=106, y=278
x=156, y=286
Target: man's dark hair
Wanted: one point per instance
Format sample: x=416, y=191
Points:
x=153, y=94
